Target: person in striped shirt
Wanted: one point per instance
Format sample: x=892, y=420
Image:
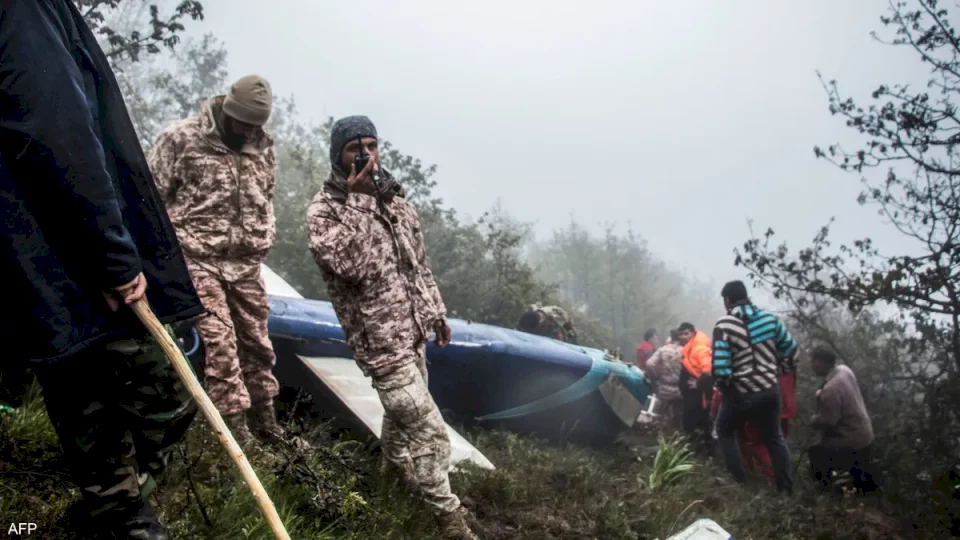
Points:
x=751, y=350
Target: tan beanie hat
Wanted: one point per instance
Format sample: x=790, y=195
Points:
x=250, y=100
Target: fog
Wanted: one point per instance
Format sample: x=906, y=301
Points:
x=683, y=119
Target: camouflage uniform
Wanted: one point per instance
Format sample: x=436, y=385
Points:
x=556, y=324
x=663, y=369
x=414, y=435
x=221, y=204
x=377, y=274
x=118, y=410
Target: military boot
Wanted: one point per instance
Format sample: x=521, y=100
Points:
x=237, y=423
x=453, y=526
x=136, y=522
x=263, y=422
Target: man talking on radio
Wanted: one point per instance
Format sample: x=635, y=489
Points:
x=366, y=239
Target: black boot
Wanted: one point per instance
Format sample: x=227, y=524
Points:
x=237, y=423
x=144, y=526
x=453, y=526
x=135, y=520
x=263, y=422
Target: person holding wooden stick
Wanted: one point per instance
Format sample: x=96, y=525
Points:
x=85, y=232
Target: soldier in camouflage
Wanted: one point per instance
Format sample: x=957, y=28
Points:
x=548, y=321
x=216, y=173
x=366, y=239
x=134, y=376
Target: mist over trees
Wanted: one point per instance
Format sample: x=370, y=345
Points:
x=893, y=317
x=489, y=270
x=613, y=279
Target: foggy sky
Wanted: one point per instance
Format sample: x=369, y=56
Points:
x=683, y=118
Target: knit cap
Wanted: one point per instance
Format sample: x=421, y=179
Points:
x=345, y=130
x=250, y=100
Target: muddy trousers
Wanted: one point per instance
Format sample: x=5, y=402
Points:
x=118, y=410
x=414, y=436
x=239, y=360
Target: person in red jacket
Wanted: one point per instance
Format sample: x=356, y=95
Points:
x=646, y=348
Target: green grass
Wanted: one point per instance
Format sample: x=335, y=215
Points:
x=637, y=489
x=673, y=463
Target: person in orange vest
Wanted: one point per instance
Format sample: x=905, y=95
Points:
x=696, y=384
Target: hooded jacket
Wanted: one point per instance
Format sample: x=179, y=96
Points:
x=372, y=258
x=220, y=200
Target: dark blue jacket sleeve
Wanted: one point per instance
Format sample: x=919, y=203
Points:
x=48, y=125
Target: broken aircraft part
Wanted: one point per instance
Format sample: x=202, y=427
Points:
x=487, y=375
x=338, y=380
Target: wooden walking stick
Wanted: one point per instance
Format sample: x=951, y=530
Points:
x=146, y=315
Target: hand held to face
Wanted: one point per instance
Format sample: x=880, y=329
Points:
x=363, y=182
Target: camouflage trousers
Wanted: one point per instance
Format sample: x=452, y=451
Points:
x=414, y=436
x=239, y=356
x=118, y=410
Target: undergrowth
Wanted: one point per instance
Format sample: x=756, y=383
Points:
x=540, y=490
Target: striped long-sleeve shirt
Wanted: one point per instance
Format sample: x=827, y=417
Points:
x=751, y=349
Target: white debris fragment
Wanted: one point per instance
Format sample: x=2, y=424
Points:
x=702, y=529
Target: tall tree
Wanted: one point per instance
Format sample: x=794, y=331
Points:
x=162, y=78
x=910, y=134
x=158, y=32
x=302, y=165
x=908, y=165
x=480, y=266
x=161, y=90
